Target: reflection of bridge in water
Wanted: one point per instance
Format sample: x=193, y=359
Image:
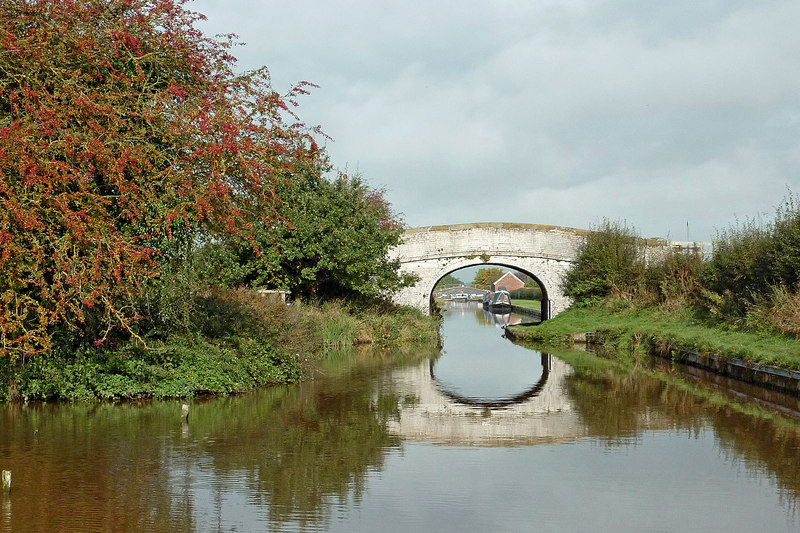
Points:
x=542, y=414
x=496, y=403
x=431, y=413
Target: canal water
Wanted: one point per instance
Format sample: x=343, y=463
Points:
x=486, y=436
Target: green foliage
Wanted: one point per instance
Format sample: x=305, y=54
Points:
x=448, y=282
x=120, y=123
x=485, y=277
x=783, y=255
x=526, y=293
x=185, y=367
x=778, y=312
x=610, y=259
x=170, y=302
x=333, y=242
x=613, y=263
x=244, y=340
x=754, y=264
x=340, y=327
x=675, y=277
x=739, y=270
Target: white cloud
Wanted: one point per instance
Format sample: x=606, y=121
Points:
x=655, y=113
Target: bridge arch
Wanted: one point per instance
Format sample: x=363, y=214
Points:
x=545, y=294
x=543, y=252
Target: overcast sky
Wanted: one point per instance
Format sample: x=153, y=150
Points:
x=545, y=111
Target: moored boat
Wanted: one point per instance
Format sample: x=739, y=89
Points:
x=498, y=300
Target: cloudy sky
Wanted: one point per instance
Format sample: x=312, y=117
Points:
x=564, y=112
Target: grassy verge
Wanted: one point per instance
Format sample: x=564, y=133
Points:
x=536, y=305
x=246, y=343
x=628, y=328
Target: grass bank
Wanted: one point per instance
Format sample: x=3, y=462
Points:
x=627, y=328
x=535, y=305
x=246, y=342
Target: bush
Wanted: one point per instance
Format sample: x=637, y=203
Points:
x=613, y=263
x=610, y=260
x=675, y=278
x=526, y=293
x=754, y=264
x=783, y=256
x=185, y=366
x=739, y=270
x=778, y=313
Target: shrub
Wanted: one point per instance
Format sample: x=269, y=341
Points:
x=675, y=278
x=739, y=270
x=783, y=256
x=779, y=313
x=755, y=263
x=611, y=259
x=526, y=293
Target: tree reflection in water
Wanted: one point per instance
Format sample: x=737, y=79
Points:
x=617, y=404
x=293, y=456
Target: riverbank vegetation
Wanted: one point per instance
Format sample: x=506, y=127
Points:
x=150, y=195
x=743, y=301
x=241, y=340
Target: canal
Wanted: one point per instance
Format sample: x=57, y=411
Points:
x=484, y=436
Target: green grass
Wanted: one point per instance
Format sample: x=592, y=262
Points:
x=536, y=305
x=626, y=328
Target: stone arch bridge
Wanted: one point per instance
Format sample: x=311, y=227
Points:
x=543, y=252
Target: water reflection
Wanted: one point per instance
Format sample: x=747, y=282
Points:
x=476, y=365
x=371, y=444
x=456, y=396
x=487, y=317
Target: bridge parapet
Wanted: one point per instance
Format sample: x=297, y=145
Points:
x=486, y=239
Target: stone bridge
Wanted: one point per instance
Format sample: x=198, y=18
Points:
x=543, y=252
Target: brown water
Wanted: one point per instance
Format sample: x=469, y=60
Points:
x=488, y=436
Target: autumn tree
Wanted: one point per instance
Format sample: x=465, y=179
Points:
x=485, y=277
x=120, y=125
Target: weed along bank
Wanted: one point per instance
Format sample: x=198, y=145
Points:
x=724, y=359
x=251, y=341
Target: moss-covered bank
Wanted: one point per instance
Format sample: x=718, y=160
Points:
x=250, y=342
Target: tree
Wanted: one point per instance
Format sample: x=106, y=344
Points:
x=449, y=282
x=485, y=277
x=120, y=124
x=332, y=241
